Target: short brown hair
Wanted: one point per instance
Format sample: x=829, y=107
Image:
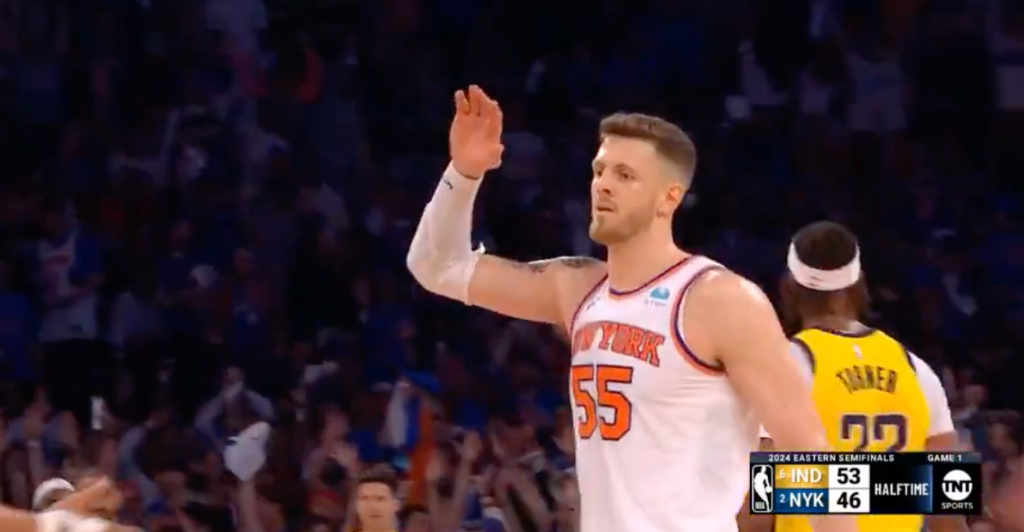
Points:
x=668, y=139
x=379, y=474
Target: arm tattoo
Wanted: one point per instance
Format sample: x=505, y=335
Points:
x=578, y=263
x=540, y=266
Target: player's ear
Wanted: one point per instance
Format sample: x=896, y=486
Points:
x=672, y=198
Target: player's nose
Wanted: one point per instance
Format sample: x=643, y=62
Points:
x=601, y=186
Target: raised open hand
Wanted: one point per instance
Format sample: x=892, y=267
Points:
x=474, y=141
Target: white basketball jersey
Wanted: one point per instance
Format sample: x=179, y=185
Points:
x=662, y=441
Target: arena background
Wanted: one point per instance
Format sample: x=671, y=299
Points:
x=243, y=178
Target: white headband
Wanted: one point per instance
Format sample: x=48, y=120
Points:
x=823, y=280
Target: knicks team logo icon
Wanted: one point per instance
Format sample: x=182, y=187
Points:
x=957, y=485
x=761, y=482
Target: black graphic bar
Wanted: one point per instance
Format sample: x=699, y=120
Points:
x=864, y=458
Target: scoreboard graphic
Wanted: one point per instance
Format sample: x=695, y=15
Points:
x=865, y=483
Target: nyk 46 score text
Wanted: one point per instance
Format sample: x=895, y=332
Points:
x=865, y=483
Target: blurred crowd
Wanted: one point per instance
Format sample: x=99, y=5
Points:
x=206, y=206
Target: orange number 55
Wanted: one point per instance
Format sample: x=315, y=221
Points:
x=612, y=427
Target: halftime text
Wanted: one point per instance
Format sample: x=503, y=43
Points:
x=899, y=489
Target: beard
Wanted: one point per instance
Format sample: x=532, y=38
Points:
x=607, y=231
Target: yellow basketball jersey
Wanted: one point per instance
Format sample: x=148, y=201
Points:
x=868, y=397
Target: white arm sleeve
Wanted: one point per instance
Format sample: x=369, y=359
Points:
x=803, y=362
x=441, y=256
x=940, y=420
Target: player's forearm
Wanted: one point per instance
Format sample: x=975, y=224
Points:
x=790, y=417
x=441, y=256
x=793, y=422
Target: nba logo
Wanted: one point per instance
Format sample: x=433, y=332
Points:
x=762, y=479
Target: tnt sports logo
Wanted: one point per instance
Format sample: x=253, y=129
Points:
x=761, y=481
x=957, y=485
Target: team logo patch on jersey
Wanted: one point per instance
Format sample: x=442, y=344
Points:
x=660, y=295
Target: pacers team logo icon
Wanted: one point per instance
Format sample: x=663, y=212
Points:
x=761, y=489
x=957, y=485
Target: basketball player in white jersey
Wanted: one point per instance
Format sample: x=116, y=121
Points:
x=675, y=358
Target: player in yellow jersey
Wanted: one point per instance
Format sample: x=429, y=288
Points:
x=871, y=393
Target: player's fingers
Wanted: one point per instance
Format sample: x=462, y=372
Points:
x=498, y=120
x=476, y=100
x=491, y=112
x=461, y=103
x=484, y=98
